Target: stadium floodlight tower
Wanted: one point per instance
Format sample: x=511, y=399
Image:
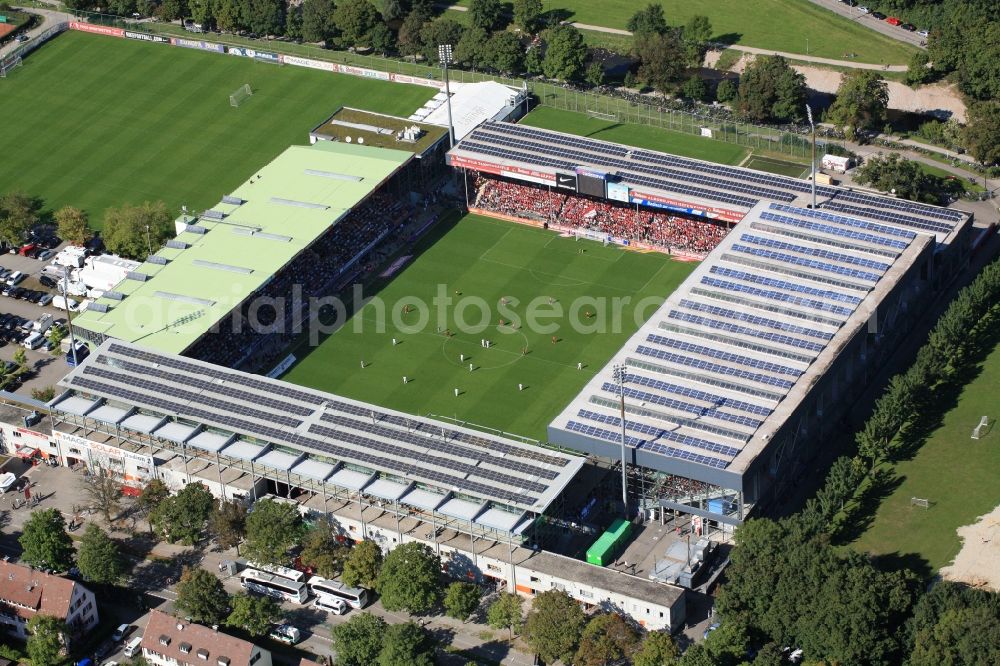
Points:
x=812, y=125
x=444, y=55
x=620, y=378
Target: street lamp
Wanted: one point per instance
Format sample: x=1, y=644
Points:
x=809, y=113
x=621, y=376
x=444, y=55
x=69, y=317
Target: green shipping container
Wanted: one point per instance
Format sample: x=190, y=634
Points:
x=3, y=19
x=603, y=550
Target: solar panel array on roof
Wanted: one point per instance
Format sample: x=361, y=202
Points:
x=428, y=452
x=715, y=362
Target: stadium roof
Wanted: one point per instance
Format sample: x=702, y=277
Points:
x=682, y=184
x=472, y=103
x=296, y=424
x=234, y=249
x=376, y=129
x=731, y=354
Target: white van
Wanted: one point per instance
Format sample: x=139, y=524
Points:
x=42, y=324
x=331, y=605
x=133, y=647
x=15, y=278
x=6, y=482
x=64, y=303
x=34, y=341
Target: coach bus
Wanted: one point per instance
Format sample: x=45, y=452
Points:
x=290, y=574
x=272, y=585
x=355, y=597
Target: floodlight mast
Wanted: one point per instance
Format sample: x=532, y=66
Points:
x=809, y=113
x=444, y=55
x=620, y=377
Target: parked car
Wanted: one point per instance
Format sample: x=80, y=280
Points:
x=47, y=281
x=892, y=20
x=121, y=632
x=286, y=634
x=863, y=10
x=25, y=249
x=924, y=33
x=879, y=15
x=16, y=278
x=46, y=254
x=908, y=26
x=44, y=300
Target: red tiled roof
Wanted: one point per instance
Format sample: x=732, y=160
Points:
x=28, y=591
x=196, y=639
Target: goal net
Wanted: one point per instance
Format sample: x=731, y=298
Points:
x=241, y=94
x=980, y=430
x=8, y=65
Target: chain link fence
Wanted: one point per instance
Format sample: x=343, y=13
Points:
x=623, y=109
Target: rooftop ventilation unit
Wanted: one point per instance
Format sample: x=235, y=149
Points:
x=230, y=199
x=97, y=307
x=213, y=214
x=175, y=244
x=196, y=229
x=157, y=259
x=137, y=276
x=114, y=295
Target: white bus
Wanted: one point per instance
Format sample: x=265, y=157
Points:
x=290, y=574
x=262, y=582
x=355, y=597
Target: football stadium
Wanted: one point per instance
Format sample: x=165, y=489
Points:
x=767, y=304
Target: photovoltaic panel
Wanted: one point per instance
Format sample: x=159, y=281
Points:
x=756, y=320
x=815, y=252
x=775, y=295
x=783, y=284
x=830, y=229
x=898, y=218
x=716, y=368
x=846, y=221
x=748, y=361
x=903, y=205
x=659, y=433
x=698, y=410
x=716, y=400
x=802, y=261
x=745, y=330
x=635, y=442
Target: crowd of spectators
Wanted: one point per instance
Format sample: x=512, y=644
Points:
x=252, y=335
x=670, y=232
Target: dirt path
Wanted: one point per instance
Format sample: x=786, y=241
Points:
x=976, y=564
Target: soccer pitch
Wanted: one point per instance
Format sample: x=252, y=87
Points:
x=477, y=263
x=95, y=122
x=956, y=473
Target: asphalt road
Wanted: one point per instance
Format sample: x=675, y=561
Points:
x=892, y=31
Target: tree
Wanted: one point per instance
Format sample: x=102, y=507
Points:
x=317, y=20
x=607, y=639
x=504, y=52
x=136, y=231
x=355, y=19
x=381, y=38
x=862, y=101
x=533, y=59
x=694, y=88
x=409, y=40
x=358, y=641
x=648, y=21
x=45, y=640
x=44, y=394
x=661, y=58
x=657, y=649
x=565, y=53
x=273, y=528
x=506, y=613
x=594, y=74
x=553, y=625
x=527, y=14
x=104, y=492
x=45, y=541
x=472, y=47
x=892, y=173
x=182, y=517
x=56, y=335
x=957, y=625
x=201, y=596
x=437, y=32
x=919, y=70
x=152, y=494
x=410, y=579
x=99, y=558
x=72, y=225
x=487, y=15
x=461, y=600
x=227, y=16
x=727, y=90
x=393, y=10
x=982, y=133
x=323, y=549
x=265, y=17
x=18, y=214
x=20, y=359
x=696, y=34
x=363, y=564
x=771, y=90
x=253, y=614
x=406, y=644
x=227, y=523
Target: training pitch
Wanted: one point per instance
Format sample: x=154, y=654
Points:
x=95, y=122
x=477, y=262
x=781, y=167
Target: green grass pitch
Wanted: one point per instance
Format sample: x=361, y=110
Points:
x=955, y=472
x=653, y=138
x=771, y=165
x=94, y=122
x=491, y=260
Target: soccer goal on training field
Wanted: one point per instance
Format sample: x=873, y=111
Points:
x=982, y=428
x=242, y=94
x=8, y=65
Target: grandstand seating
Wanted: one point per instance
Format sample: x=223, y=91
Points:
x=670, y=232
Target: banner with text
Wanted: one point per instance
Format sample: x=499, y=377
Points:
x=308, y=62
x=96, y=29
x=197, y=44
x=146, y=37
x=657, y=201
x=244, y=52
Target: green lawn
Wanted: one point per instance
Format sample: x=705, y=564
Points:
x=956, y=473
x=485, y=260
x=95, y=122
x=643, y=136
x=969, y=184
x=771, y=165
x=780, y=25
